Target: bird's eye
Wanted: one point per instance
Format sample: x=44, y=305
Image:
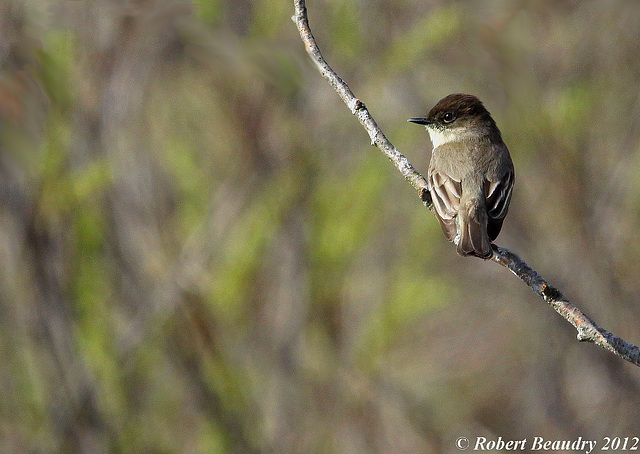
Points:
x=448, y=117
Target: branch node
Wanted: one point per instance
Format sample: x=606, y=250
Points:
x=584, y=336
x=355, y=105
x=425, y=196
x=550, y=292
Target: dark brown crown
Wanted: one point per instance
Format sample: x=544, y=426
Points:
x=461, y=110
x=460, y=104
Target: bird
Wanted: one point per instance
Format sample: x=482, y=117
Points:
x=471, y=174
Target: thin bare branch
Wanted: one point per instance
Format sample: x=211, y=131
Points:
x=357, y=107
x=588, y=330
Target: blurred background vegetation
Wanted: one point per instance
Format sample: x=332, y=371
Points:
x=201, y=253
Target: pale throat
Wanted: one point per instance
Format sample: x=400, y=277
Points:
x=440, y=137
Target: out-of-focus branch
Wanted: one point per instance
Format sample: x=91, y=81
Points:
x=588, y=331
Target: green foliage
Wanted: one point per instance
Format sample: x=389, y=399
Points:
x=412, y=296
x=270, y=19
x=344, y=213
x=231, y=284
x=346, y=29
x=208, y=10
x=202, y=253
x=56, y=64
x=432, y=32
x=571, y=111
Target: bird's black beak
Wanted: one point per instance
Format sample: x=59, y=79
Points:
x=421, y=121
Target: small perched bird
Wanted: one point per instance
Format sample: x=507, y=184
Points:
x=471, y=174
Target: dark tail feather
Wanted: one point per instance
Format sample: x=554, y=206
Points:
x=474, y=239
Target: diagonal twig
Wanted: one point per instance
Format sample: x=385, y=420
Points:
x=357, y=107
x=588, y=330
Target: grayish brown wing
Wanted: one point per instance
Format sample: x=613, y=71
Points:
x=498, y=196
x=445, y=192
